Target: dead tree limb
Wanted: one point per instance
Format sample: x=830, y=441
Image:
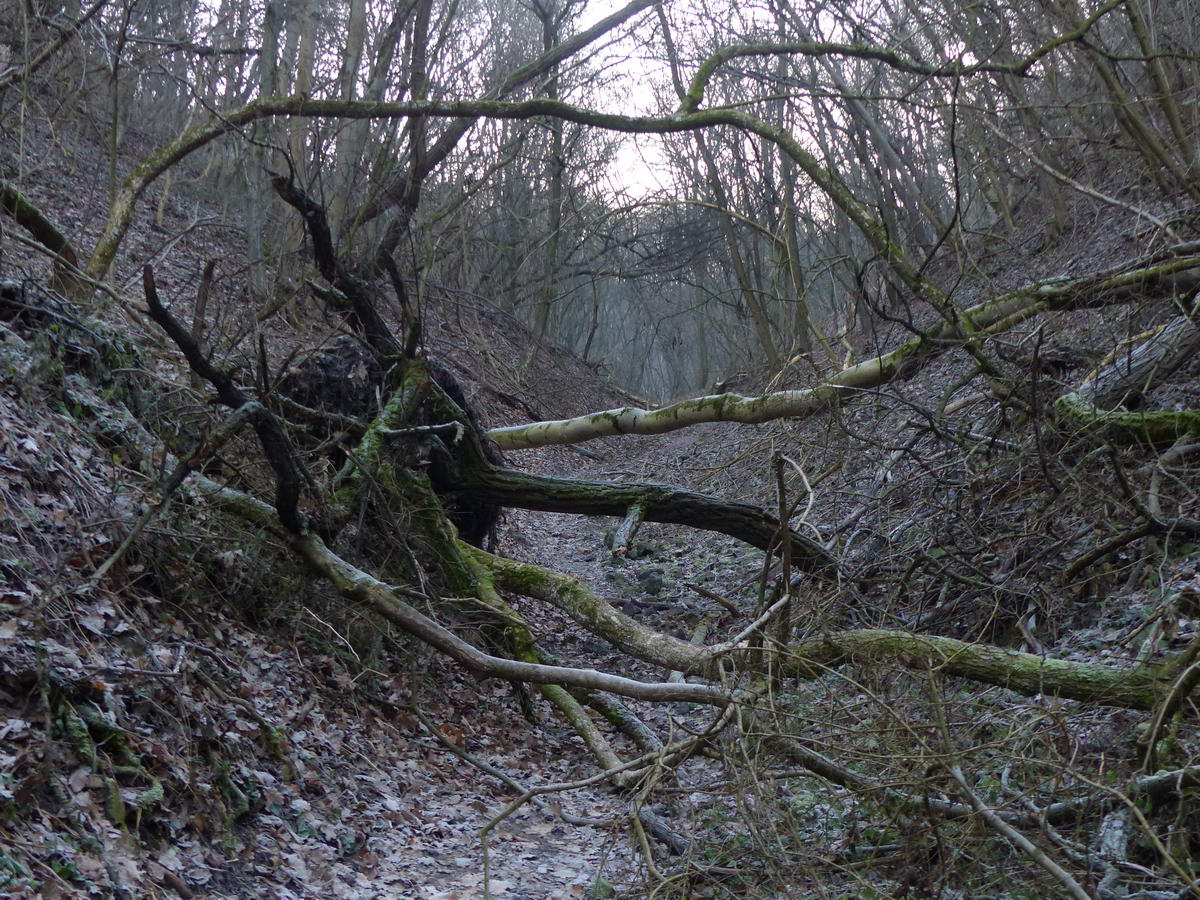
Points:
x=67, y=276
x=1175, y=269
x=363, y=589
x=290, y=477
x=658, y=503
x=1130, y=687
x=363, y=315
x=628, y=529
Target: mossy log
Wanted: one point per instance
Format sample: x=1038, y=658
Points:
x=1136, y=687
x=1095, y=405
x=596, y=614
x=1159, y=427
x=1131, y=687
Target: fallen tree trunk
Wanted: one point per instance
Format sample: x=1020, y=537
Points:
x=658, y=502
x=1158, y=427
x=1123, y=379
x=1133, y=687
x=463, y=473
x=455, y=570
x=1159, y=787
x=1175, y=268
x=67, y=276
x=388, y=601
x=601, y=618
x=1137, y=687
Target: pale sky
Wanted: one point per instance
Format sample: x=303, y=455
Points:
x=639, y=167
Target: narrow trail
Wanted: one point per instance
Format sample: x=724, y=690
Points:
x=533, y=856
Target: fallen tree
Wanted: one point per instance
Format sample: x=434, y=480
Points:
x=1173, y=270
x=1108, y=399
x=415, y=399
x=376, y=474
x=389, y=601
x=1138, y=687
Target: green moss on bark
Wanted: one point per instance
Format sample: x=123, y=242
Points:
x=1156, y=427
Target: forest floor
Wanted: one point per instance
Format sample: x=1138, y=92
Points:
x=237, y=694
x=283, y=743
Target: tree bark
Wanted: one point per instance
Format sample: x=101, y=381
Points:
x=1131, y=374
x=658, y=502
x=46, y=233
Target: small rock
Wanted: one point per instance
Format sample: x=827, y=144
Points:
x=641, y=551
x=652, y=581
